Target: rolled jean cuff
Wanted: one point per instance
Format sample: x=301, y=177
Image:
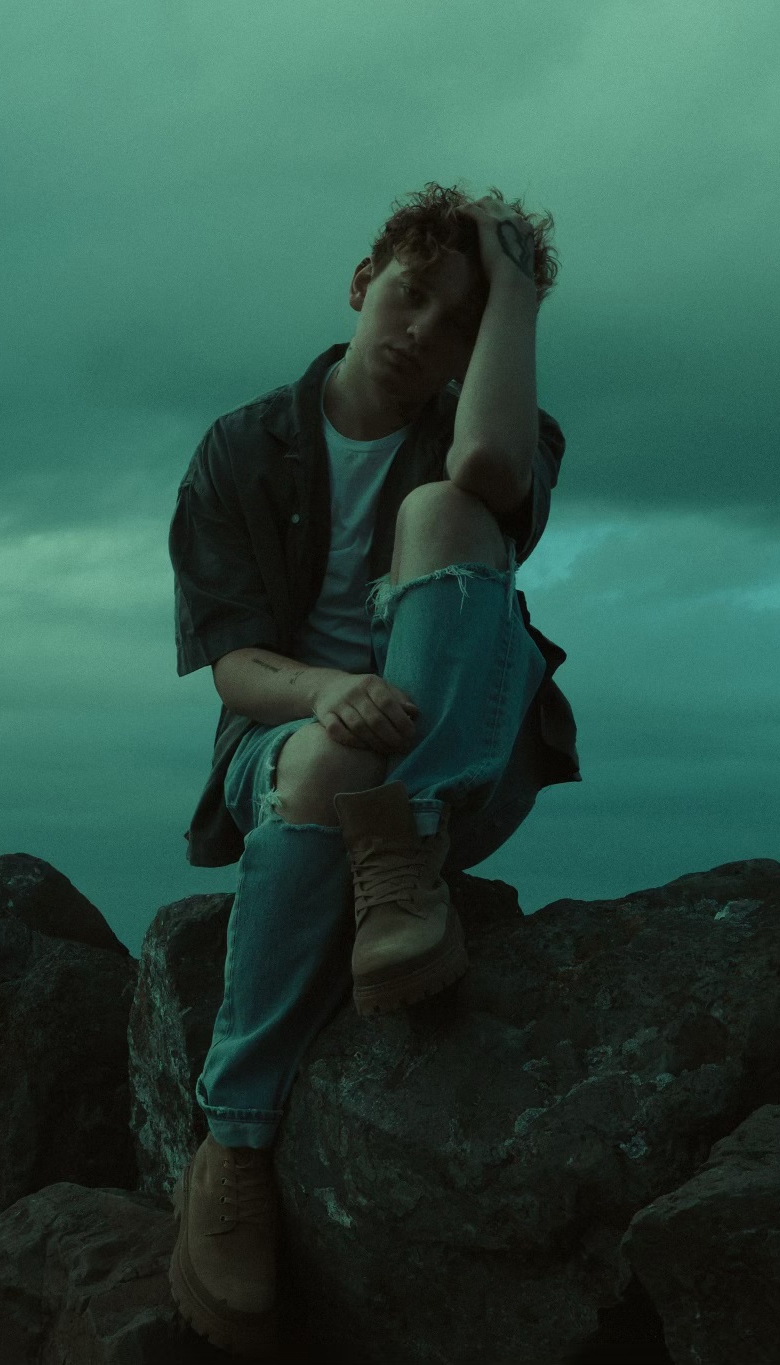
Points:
x=239, y=1127
x=426, y=811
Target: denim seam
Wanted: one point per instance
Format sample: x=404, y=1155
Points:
x=232, y=929
x=501, y=682
x=493, y=706
x=507, y=645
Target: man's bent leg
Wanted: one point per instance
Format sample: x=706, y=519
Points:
x=453, y=638
x=409, y=940
x=287, y=965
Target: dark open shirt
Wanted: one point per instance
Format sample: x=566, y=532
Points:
x=249, y=544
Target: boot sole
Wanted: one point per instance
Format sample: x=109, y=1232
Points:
x=380, y=997
x=255, y=1340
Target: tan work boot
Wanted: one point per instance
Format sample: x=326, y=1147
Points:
x=409, y=940
x=223, y=1268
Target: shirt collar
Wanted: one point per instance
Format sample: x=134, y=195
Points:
x=293, y=414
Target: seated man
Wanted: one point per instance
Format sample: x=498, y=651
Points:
x=345, y=550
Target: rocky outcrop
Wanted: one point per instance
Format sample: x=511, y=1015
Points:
x=83, y=1277
x=34, y=893
x=585, y=1064
x=708, y=1253
x=66, y=986
x=494, y=1146
x=569, y=1156
x=179, y=990
x=84, y=1281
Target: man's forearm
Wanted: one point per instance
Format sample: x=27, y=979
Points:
x=497, y=417
x=267, y=687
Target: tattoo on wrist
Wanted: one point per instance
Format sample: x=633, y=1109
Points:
x=518, y=248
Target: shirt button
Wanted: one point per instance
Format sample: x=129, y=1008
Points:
x=295, y=518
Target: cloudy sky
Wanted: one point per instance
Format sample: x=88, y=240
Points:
x=187, y=188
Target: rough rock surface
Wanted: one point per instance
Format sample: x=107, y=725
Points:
x=531, y=1168
x=81, y=1267
x=66, y=986
x=84, y=1281
x=180, y=986
x=465, y=1171
x=83, y=1273
x=493, y=1145
x=709, y=1251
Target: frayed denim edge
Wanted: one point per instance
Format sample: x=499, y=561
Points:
x=384, y=593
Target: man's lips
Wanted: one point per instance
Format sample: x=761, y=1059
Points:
x=403, y=357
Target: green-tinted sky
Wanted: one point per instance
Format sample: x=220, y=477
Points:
x=187, y=188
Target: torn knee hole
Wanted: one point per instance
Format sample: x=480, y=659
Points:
x=384, y=592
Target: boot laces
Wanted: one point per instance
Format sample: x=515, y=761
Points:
x=387, y=872
x=249, y=1192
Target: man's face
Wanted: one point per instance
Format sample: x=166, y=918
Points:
x=432, y=315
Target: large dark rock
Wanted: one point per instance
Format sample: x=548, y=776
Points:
x=83, y=1277
x=463, y=1173
x=66, y=985
x=84, y=1281
x=179, y=990
x=709, y=1251
x=36, y=894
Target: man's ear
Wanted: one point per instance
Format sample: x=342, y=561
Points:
x=358, y=291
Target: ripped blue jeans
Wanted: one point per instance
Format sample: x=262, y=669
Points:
x=455, y=642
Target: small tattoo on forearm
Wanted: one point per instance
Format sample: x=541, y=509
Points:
x=274, y=668
x=518, y=248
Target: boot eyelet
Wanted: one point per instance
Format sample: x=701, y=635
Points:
x=223, y=1181
x=222, y=1218
x=222, y=1199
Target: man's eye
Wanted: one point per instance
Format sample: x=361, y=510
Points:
x=463, y=324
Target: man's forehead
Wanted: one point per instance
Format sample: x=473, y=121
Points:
x=434, y=277
x=438, y=271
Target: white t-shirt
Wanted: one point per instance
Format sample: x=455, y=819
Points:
x=337, y=632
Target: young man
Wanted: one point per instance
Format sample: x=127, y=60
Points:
x=369, y=740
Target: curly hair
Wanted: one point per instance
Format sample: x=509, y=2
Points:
x=431, y=224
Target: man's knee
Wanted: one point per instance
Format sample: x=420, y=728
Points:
x=312, y=768
x=431, y=501
x=442, y=518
